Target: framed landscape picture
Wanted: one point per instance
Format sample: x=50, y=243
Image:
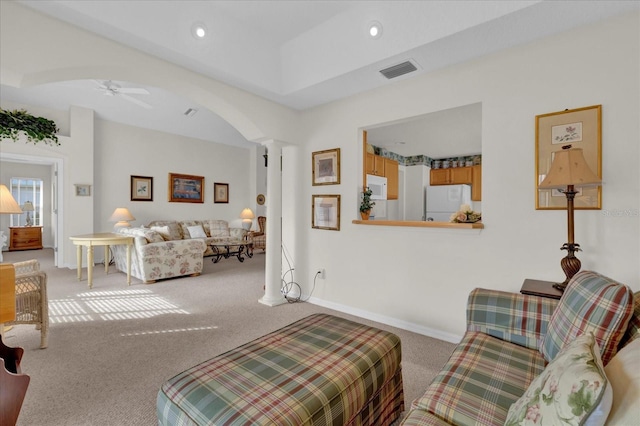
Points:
x=220, y=192
x=325, y=212
x=141, y=188
x=186, y=188
x=578, y=128
x=326, y=167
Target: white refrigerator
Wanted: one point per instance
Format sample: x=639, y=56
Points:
x=441, y=201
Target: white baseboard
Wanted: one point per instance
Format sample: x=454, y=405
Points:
x=393, y=322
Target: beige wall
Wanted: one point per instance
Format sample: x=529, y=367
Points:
x=420, y=278
x=413, y=278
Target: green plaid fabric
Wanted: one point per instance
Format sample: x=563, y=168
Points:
x=516, y=318
x=321, y=370
x=480, y=381
x=591, y=302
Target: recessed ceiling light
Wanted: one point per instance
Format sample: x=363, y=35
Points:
x=375, y=29
x=199, y=30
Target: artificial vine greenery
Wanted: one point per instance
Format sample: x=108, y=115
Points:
x=37, y=129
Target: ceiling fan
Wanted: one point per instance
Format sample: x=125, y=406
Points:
x=109, y=88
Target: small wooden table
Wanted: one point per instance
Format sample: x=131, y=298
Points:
x=105, y=239
x=540, y=288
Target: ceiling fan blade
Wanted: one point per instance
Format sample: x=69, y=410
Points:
x=132, y=90
x=135, y=101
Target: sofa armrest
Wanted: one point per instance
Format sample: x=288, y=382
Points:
x=517, y=318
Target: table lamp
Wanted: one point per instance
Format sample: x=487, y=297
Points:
x=568, y=170
x=122, y=217
x=28, y=207
x=8, y=205
x=247, y=218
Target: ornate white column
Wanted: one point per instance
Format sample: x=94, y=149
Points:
x=273, y=262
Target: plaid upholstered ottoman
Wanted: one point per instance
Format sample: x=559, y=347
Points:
x=320, y=370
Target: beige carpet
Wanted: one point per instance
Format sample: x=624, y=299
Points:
x=110, y=348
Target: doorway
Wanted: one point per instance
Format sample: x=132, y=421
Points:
x=55, y=188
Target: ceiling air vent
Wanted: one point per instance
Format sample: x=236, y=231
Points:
x=398, y=70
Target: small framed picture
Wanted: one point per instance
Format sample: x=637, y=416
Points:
x=186, y=188
x=326, y=167
x=325, y=212
x=141, y=188
x=83, y=190
x=220, y=192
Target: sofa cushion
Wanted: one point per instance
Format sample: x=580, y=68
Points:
x=623, y=372
x=480, y=381
x=219, y=228
x=163, y=231
x=573, y=389
x=175, y=231
x=591, y=302
x=153, y=236
x=184, y=227
x=196, y=231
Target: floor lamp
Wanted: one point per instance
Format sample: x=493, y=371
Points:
x=568, y=171
x=8, y=205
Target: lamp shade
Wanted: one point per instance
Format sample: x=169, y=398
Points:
x=27, y=206
x=569, y=168
x=8, y=204
x=247, y=214
x=121, y=216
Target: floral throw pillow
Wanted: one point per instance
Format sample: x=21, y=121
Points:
x=572, y=390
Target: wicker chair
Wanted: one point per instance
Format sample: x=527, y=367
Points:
x=32, y=304
x=259, y=237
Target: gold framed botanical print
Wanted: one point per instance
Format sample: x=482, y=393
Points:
x=326, y=167
x=579, y=128
x=325, y=212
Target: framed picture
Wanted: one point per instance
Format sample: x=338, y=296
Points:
x=325, y=212
x=83, y=190
x=141, y=188
x=220, y=192
x=326, y=167
x=580, y=128
x=186, y=188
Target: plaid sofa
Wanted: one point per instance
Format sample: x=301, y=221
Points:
x=508, y=340
x=320, y=370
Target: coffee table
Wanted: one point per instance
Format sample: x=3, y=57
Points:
x=226, y=249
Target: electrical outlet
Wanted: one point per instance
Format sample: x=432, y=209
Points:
x=320, y=273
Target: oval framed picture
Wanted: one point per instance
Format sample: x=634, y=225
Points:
x=260, y=199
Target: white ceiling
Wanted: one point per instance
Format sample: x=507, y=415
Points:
x=297, y=53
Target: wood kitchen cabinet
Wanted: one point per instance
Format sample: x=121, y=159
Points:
x=374, y=165
x=391, y=173
x=453, y=176
x=25, y=237
x=457, y=175
x=476, y=185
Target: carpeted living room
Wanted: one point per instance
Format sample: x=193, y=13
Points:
x=111, y=348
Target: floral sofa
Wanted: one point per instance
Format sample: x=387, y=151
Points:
x=171, y=248
x=528, y=360
x=210, y=231
x=154, y=258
